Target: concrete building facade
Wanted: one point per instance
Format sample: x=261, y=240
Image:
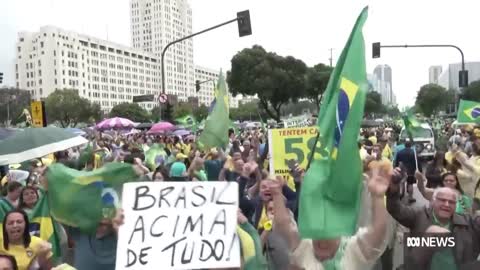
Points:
x=103, y=72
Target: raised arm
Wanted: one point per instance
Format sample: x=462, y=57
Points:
x=372, y=243
x=282, y=219
x=426, y=192
x=405, y=215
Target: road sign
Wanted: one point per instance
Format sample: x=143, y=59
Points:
x=38, y=114
x=144, y=98
x=162, y=98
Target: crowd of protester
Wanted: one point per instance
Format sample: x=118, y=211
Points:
x=450, y=182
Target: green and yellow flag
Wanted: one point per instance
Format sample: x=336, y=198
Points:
x=82, y=199
x=468, y=112
x=155, y=156
x=41, y=223
x=330, y=196
x=251, y=247
x=412, y=126
x=215, y=133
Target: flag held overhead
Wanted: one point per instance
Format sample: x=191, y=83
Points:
x=330, y=197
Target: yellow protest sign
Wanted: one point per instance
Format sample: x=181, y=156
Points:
x=38, y=119
x=290, y=144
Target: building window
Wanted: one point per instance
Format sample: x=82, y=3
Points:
x=19, y=48
x=39, y=63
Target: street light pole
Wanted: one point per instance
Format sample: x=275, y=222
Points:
x=244, y=29
x=182, y=39
x=462, y=76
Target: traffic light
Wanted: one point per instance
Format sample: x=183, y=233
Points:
x=463, y=78
x=1, y=77
x=244, y=26
x=197, y=85
x=376, y=50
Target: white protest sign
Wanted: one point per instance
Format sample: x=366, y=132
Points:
x=179, y=225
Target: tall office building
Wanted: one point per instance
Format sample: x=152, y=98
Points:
x=101, y=71
x=154, y=24
x=384, y=75
x=449, y=77
x=434, y=73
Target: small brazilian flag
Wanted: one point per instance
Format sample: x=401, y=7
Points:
x=468, y=112
x=41, y=223
x=82, y=199
x=330, y=197
x=251, y=247
x=412, y=126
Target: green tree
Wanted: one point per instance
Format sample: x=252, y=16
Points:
x=316, y=82
x=431, y=98
x=245, y=111
x=392, y=111
x=472, y=92
x=131, y=111
x=167, y=112
x=181, y=109
x=274, y=79
x=201, y=112
x=17, y=100
x=300, y=107
x=373, y=103
x=155, y=114
x=69, y=109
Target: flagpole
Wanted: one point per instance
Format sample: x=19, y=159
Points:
x=312, y=151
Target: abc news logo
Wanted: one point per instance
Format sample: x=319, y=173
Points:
x=431, y=241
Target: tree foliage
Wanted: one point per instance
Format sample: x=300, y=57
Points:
x=316, y=81
x=69, y=109
x=246, y=112
x=472, y=92
x=181, y=109
x=201, y=112
x=167, y=112
x=373, y=103
x=392, y=111
x=274, y=79
x=131, y=111
x=431, y=98
x=17, y=100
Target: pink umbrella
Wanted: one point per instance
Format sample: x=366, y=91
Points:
x=161, y=127
x=116, y=122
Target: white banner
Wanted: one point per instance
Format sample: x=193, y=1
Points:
x=179, y=225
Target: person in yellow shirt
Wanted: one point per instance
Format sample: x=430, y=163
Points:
x=378, y=161
x=386, y=150
x=17, y=242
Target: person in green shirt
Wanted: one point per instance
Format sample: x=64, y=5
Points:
x=196, y=171
x=450, y=180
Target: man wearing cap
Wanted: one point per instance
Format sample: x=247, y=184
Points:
x=178, y=170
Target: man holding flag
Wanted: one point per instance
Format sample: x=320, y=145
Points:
x=331, y=194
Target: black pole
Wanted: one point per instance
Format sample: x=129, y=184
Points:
x=457, y=100
x=182, y=39
x=427, y=46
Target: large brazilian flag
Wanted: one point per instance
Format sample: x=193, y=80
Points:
x=330, y=196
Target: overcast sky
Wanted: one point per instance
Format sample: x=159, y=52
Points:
x=305, y=29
